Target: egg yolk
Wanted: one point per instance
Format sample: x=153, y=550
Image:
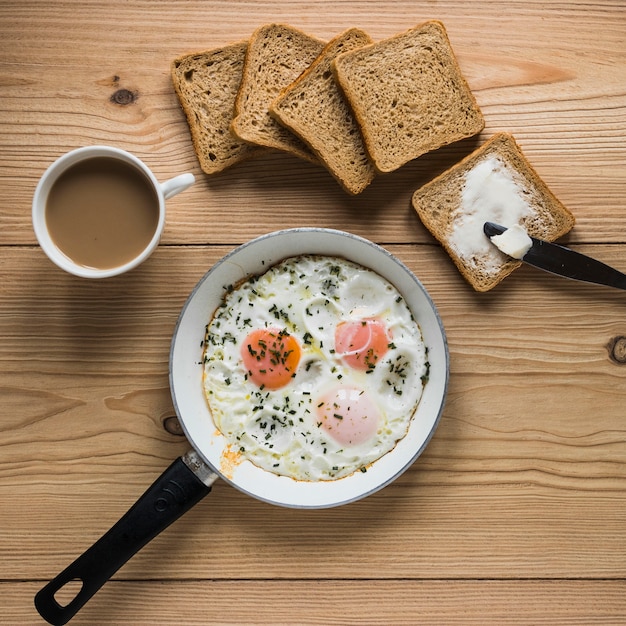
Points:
x=361, y=342
x=271, y=357
x=348, y=415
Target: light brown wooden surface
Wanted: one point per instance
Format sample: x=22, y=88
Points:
x=516, y=511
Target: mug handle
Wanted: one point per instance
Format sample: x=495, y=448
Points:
x=177, y=184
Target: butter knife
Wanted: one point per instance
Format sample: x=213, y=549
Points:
x=562, y=261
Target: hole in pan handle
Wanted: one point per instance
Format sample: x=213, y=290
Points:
x=184, y=483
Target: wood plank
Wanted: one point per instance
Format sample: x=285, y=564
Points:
x=528, y=459
x=565, y=108
x=290, y=602
x=504, y=528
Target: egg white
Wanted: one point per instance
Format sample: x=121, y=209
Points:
x=280, y=430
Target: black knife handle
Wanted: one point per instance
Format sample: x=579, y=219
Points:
x=574, y=265
x=556, y=259
x=171, y=495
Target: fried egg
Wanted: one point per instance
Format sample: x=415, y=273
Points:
x=314, y=369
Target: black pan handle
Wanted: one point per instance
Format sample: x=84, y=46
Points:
x=184, y=483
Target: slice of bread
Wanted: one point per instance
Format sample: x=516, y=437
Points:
x=495, y=183
x=315, y=109
x=207, y=84
x=408, y=95
x=276, y=56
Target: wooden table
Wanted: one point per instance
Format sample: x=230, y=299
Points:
x=515, y=513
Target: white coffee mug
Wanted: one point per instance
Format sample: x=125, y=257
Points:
x=162, y=192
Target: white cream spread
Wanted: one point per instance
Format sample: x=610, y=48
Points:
x=514, y=241
x=491, y=194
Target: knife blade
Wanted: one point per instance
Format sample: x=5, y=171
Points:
x=562, y=261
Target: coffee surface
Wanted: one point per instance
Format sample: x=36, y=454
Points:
x=102, y=212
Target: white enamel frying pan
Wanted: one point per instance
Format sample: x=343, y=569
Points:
x=190, y=477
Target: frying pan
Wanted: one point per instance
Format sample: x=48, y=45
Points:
x=189, y=478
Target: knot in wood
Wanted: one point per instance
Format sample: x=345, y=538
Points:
x=123, y=97
x=172, y=426
x=617, y=350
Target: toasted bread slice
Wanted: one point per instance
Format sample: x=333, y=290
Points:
x=495, y=183
x=315, y=109
x=408, y=95
x=276, y=56
x=207, y=84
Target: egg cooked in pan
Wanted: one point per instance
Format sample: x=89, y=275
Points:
x=313, y=370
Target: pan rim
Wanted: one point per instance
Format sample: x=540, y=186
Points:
x=254, y=481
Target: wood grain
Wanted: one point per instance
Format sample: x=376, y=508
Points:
x=437, y=602
x=515, y=512
x=560, y=91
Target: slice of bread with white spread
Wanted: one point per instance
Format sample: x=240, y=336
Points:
x=207, y=84
x=277, y=55
x=315, y=109
x=495, y=183
x=408, y=95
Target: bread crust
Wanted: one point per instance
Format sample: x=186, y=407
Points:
x=207, y=84
x=277, y=54
x=438, y=204
x=314, y=108
x=408, y=95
